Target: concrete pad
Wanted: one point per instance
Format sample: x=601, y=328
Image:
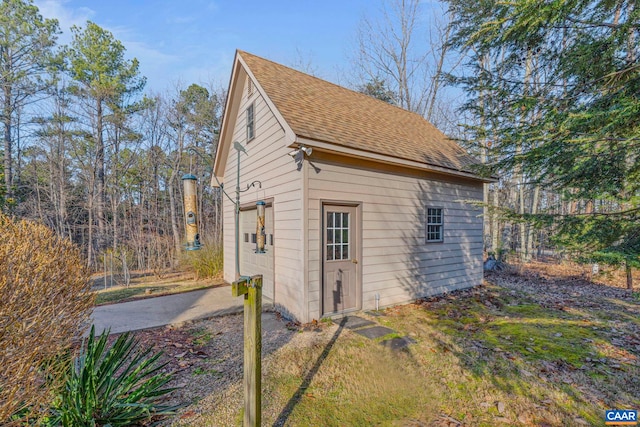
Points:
x=354, y=322
x=374, y=332
x=271, y=323
x=398, y=343
x=165, y=310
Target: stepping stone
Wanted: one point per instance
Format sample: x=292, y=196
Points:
x=398, y=343
x=354, y=322
x=374, y=332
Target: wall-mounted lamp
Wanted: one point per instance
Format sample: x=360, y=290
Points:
x=305, y=150
x=298, y=155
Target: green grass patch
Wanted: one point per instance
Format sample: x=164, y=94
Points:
x=201, y=337
x=388, y=337
x=518, y=326
x=202, y=371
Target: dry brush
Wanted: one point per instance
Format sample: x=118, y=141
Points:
x=45, y=302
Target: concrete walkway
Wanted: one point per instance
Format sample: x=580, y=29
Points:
x=165, y=310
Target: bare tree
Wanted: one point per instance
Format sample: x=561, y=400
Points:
x=386, y=49
x=405, y=45
x=304, y=62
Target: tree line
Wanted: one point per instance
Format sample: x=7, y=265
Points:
x=546, y=95
x=553, y=96
x=550, y=106
x=88, y=153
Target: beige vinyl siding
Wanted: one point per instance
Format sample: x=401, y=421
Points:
x=397, y=263
x=267, y=160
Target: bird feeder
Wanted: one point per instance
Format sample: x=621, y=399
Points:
x=190, y=209
x=261, y=235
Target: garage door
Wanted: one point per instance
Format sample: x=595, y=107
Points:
x=252, y=263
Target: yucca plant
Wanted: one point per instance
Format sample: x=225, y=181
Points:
x=117, y=385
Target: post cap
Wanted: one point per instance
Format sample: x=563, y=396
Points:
x=189, y=176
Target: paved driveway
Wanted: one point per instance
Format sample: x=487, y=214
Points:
x=166, y=310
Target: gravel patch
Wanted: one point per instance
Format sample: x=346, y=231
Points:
x=206, y=358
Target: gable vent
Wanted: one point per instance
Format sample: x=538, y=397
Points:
x=249, y=87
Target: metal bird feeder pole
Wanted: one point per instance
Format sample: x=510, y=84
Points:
x=251, y=289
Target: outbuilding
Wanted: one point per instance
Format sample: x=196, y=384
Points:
x=366, y=203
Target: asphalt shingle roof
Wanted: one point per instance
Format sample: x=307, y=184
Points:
x=322, y=111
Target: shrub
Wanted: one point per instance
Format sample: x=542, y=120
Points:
x=117, y=385
x=206, y=262
x=45, y=301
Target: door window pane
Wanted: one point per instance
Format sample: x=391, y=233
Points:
x=337, y=244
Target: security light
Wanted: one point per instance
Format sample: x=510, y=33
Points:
x=298, y=155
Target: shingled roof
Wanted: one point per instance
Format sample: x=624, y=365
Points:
x=318, y=110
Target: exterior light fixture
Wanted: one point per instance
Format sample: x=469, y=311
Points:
x=298, y=155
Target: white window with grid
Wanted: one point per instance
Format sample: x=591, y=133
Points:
x=250, y=126
x=434, y=225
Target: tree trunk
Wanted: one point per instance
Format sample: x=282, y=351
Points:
x=534, y=210
x=90, y=231
x=100, y=173
x=495, y=232
x=524, y=256
x=174, y=220
x=8, y=163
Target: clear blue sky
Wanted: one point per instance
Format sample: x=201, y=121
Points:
x=193, y=41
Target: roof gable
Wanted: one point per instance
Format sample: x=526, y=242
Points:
x=313, y=109
x=322, y=111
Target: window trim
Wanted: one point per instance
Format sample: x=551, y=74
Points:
x=427, y=224
x=251, y=128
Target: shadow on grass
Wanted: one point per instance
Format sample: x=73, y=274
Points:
x=535, y=352
x=297, y=396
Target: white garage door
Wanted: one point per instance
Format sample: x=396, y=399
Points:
x=252, y=263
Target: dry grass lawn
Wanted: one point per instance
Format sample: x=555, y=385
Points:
x=524, y=349
x=146, y=286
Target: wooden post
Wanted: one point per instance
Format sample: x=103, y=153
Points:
x=252, y=353
x=251, y=288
